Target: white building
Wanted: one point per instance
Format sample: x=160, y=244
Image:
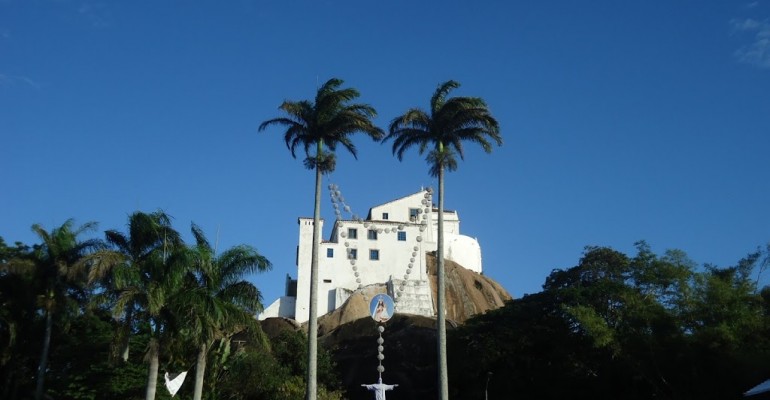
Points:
x=388, y=247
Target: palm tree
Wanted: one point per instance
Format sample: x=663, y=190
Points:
x=140, y=276
x=60, y=271
x=127, y=252
x=323, y=124
x=441, y=132
x=219, y=302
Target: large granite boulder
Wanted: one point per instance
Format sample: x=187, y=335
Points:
x=467, y=293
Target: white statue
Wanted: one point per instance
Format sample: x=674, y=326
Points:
x=379, y=389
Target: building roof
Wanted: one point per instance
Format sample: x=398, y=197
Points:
x=369, y=215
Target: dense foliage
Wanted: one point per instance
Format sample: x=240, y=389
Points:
x=625, y=327
x=102, y=310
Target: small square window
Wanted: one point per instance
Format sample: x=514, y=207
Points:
x=353, y=254
x=402, y=236
x=371, y=234
x=413, y=212
x=352, y=233
x=329, y=253
x=374, y=254
x=384, y=216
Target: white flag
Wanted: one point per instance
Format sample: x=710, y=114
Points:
x=173, y=385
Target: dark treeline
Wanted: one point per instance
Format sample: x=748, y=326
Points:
x=614, y=326
x=107, y=318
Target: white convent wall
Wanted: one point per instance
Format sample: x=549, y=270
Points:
x=283, y=307
x=337, y=277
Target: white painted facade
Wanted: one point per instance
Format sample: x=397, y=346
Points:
x=392, y=236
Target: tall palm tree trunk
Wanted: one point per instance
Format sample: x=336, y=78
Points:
x=44, y=356
x=125, y=338
x=200, y=370
x=124, y=353
x=443, y=376
x=152, y=376
x=312, y=326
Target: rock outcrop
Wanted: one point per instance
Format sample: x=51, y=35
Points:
x=467, y=293
x=354, y=308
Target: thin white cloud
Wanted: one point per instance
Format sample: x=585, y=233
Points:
x=97, y=13
x=14, y=80
x=756, y=53
x=747, y=24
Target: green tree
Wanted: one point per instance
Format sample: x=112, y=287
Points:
x=276, y=372
x=726, y=305
x=668, y=278
x=18, y=318
x=80, y=366
x=58, y=268
x=322, y=124
x=220, y=302
x=141, y=275
x=127, y=254
x=441, y=132
x=614, y=326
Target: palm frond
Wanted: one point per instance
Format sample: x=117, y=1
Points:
x=244, y=295
x=20, y=266
x=200, y=238
x=328, y=121
x=242, y=259
x=118, y=240
x=451, y=122
x=325, y=163
x=439, y=96
x=441, y=160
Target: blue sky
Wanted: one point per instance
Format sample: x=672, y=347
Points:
x=622, y=121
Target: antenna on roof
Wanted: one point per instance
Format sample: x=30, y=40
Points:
x=216, y=242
